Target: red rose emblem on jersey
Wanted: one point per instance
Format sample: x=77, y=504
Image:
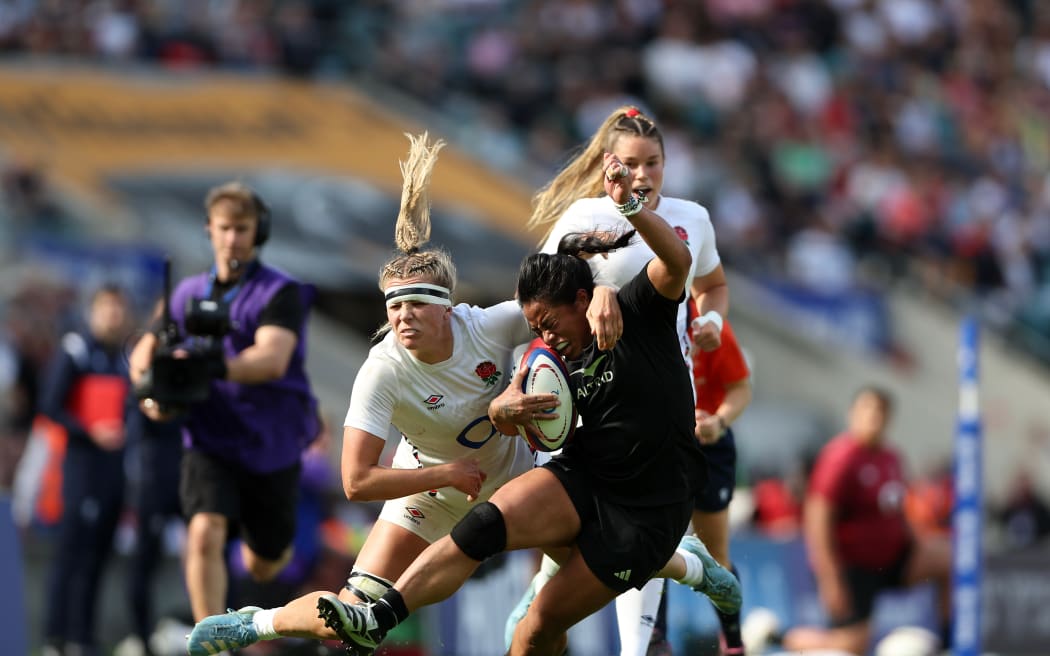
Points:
x=682, y=234
x=488, y=372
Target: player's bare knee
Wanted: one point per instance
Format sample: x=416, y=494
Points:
x=263, y=570
x=482, y=532
x=206, y=534
x=538, y=631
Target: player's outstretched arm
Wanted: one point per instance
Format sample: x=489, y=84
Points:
x=670, y=268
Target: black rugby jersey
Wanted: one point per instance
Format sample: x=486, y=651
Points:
x=636, y=442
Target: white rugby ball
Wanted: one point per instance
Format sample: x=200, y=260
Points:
x=545, y=373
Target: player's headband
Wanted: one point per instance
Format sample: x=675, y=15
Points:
x=419, y=292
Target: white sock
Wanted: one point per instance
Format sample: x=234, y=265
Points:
x=635, y=616
x=694, y=568
x=549, y=567
x=262, y=621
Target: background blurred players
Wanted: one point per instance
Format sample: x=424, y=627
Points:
x=857, y=536
x=85, y=391
x=155, y=457
x=723, y=391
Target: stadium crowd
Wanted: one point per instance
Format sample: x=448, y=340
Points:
x=842, y=141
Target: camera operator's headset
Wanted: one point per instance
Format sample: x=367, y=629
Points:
x=262, y=220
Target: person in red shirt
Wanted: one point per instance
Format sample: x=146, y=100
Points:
x=857, y=536
x=723, y=390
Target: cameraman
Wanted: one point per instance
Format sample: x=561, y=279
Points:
x=240, y=469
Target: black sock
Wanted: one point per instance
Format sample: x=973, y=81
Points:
x=731, y=621
x=390, y=610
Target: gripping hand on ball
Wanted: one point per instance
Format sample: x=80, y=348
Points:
x=513, y=407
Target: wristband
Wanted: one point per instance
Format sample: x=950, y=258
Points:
x=722, y=427
x=631, y=207
x=711, y=316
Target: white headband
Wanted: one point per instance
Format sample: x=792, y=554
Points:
x=420, y=292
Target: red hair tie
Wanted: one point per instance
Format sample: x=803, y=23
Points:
x=632, y=113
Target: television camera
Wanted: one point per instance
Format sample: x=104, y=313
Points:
x=183, y=366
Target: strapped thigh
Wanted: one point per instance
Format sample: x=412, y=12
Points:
x=367, y=587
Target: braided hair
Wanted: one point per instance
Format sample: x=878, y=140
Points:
x=555, y=278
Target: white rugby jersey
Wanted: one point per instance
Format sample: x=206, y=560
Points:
x=441, y=409
x=690, y=220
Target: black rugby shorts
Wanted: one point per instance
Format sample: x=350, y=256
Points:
x=260, y=508
x=624, y=546
x=721, y=474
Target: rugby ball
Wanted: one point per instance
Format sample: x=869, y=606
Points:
x=545, y=373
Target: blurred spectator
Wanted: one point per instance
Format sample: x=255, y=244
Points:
x=691, y=67
x=777, y=502
x=114, y=29
x=777, y=496
x=26, y=201
x=929, y=502
x=777, y=508
x=155, y=457
x=820, y=260
x=35, y=306
x=1025, y=517
x=298, y=38
x=86, y=392
x=18, y=395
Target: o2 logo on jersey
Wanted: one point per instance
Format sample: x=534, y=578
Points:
x=477, y=433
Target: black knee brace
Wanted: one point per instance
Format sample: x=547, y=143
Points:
x=482, y=532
